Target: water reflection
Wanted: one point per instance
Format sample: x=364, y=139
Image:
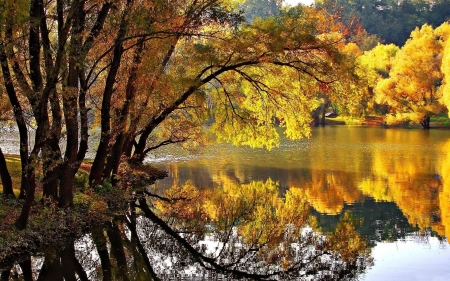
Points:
x=236, y=231
x=232, y=212
x=344, y=168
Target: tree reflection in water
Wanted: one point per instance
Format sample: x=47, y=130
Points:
x=232, y=232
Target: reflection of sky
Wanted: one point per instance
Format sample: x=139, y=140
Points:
x=410, y=260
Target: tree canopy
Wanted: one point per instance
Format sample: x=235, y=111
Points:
x=136, y=75
x=411, y=90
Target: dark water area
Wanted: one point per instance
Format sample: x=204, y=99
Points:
x=350, y=203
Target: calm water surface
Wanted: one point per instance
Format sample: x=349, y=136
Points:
x=396, y=180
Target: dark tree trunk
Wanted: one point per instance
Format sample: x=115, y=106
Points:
x=70, y=108
x=425, y=122
x=40, y=109
x=51, y=269
x=21, y=222
x=97, y=169
x=68, y=262
x=82, y=275
x=84, y=136
x=6, y=273
x=6, y=178
x=51, y=155
x=113, y=162
x=70, y=158
x=102, y=249
x=18, y=114
x=116, y=150
x=141, y=144
x=117, y=250
x=130, y=143
x=136, y=242
x=26, y=270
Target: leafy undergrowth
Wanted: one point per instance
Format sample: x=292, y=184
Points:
x=50, y=225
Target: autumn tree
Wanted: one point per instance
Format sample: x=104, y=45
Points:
x=411, y=90
x=236, y=76
x=373, y=66
x=85, y=47
x=148, y=73
x=443, y=32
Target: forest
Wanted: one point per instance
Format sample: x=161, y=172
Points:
x=122, y=78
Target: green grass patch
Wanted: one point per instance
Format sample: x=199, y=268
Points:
x=15, y=170
x=440, y=120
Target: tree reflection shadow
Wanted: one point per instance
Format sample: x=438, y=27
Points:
x=231, y=232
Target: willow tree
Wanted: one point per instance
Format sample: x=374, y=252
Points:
x=411, y=90
x=149, y=73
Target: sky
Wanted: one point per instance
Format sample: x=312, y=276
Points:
x=295, y=2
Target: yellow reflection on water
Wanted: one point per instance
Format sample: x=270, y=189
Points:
x=345, y=165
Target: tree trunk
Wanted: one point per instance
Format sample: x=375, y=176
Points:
x=5, y=274
x=51, y=156
x=102, y=250
x=6, y=178
x=70, y=158
x=18, y=114
x=51, y=152
x=140, y=146
x=70, y=109
x=51, y=269
x=112, y=165
x=97, y=169
x=21, y=222
x=26, y=270
x=68, y=262
x=117, y=250
x=425, y=122
x=322, y=117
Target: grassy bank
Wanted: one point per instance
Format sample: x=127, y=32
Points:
x=441, y=121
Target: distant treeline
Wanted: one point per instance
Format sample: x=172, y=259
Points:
x=391, y=20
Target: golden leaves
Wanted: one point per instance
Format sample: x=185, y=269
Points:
x=412, y=87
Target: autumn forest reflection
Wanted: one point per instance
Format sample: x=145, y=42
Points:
x=346, y=169
x=313, y=209
x=235, y=231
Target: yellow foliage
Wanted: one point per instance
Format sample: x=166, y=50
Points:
x=411, y=90
x=346, y=240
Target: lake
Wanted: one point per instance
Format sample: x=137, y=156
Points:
x=396, y=180
x=393, y=183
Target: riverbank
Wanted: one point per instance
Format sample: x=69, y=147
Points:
x=50, y=225
x=437, y=122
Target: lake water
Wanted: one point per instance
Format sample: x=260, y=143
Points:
x=396, y=180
